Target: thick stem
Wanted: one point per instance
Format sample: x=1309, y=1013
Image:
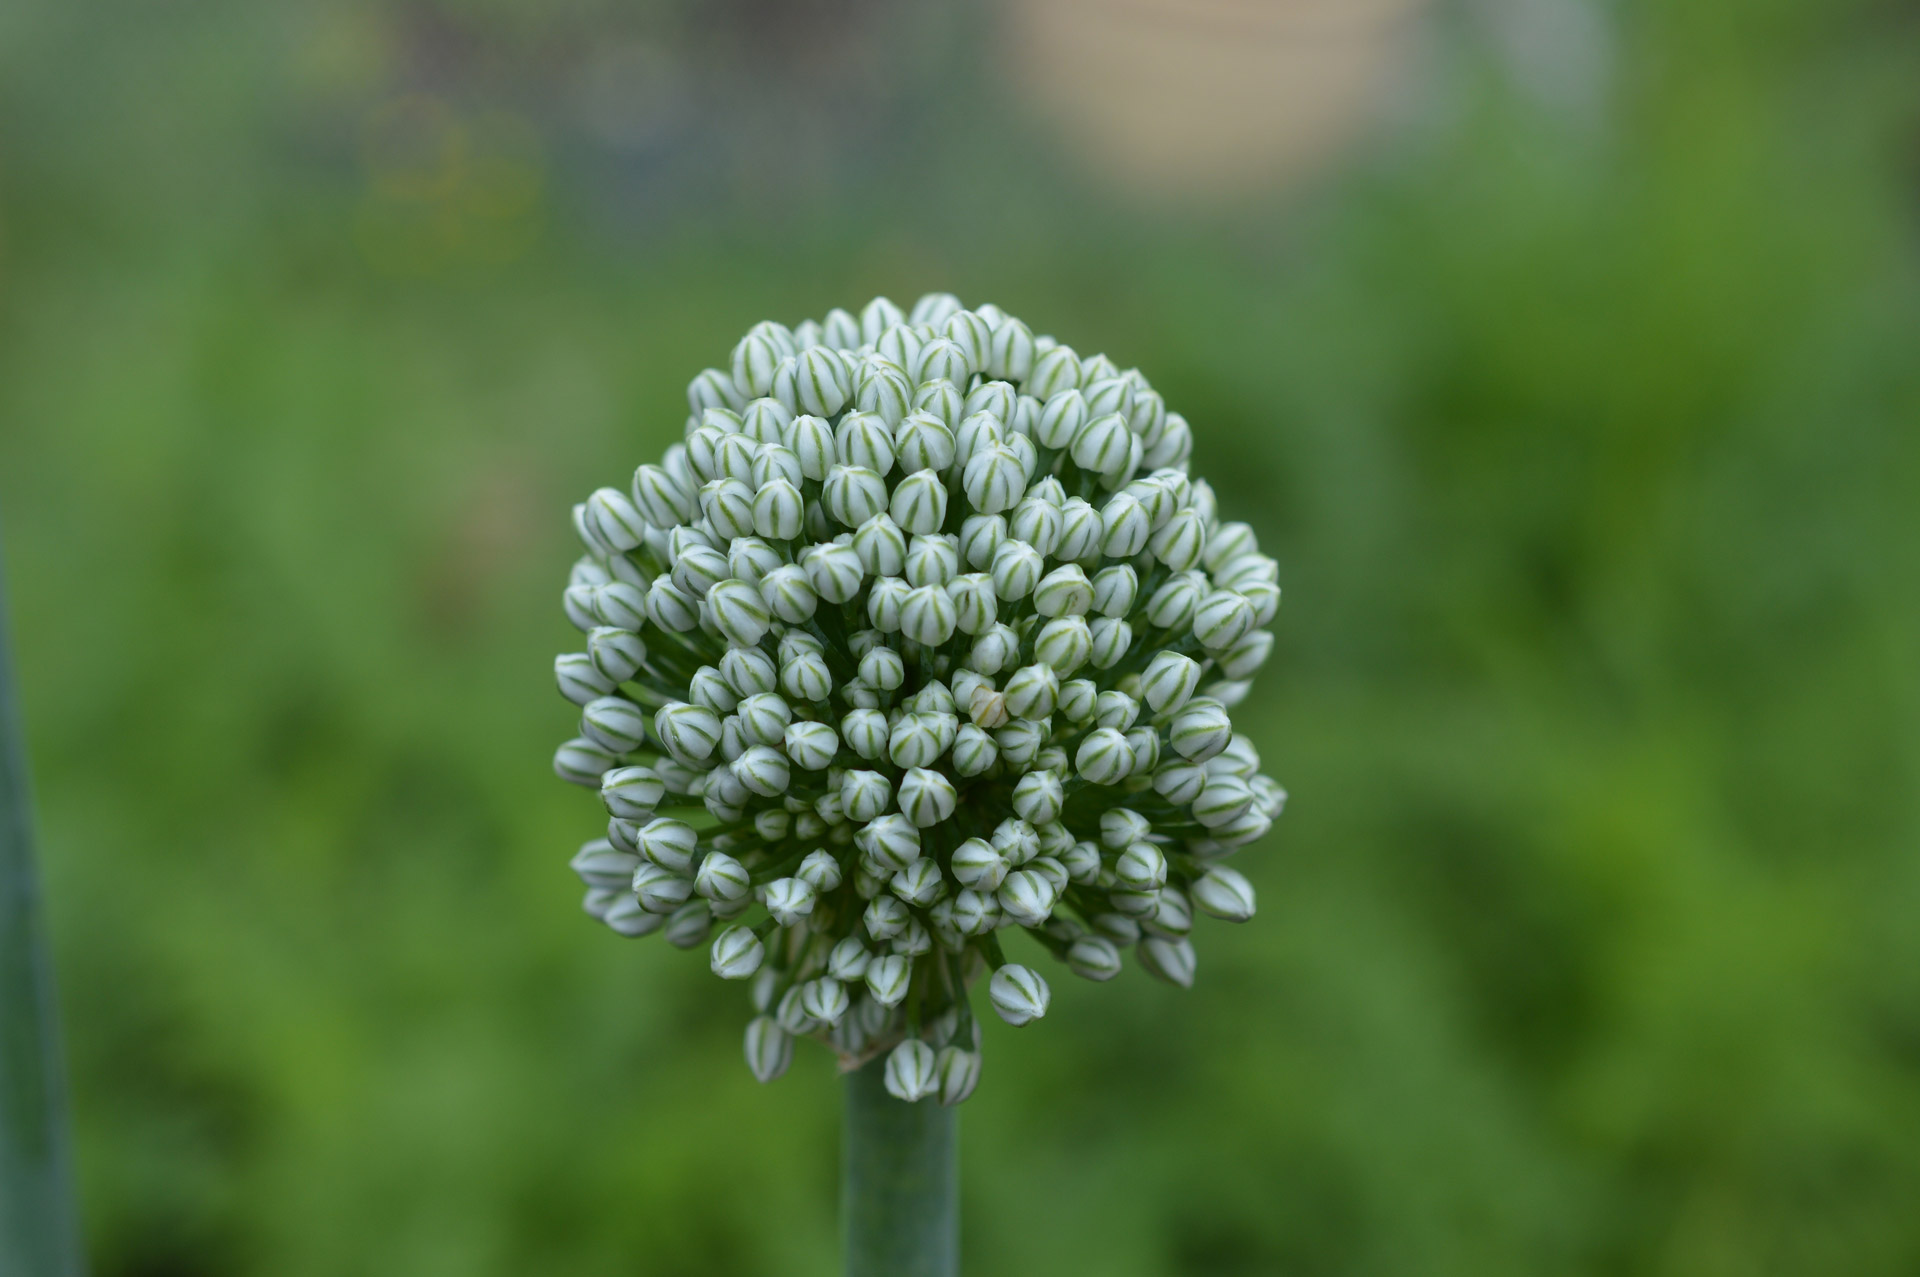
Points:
x=38, y=1232
x=900, y=1182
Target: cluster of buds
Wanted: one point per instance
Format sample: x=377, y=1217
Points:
x=923, y=633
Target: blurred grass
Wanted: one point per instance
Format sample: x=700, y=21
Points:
x=1589, y=455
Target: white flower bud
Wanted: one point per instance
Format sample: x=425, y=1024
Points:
x=618, y=654
x=1169, y=960
x=600, y=865
x=931, y=560
x=763, y=770
x=1065, y=591
x=835, y=572
x=1076, y=700
x=974, y=602
x=1065, y=643
x=1222, y=800
x=977, y=864
x=631, y=792
x=1172, y=605
x=849, y=960
x=614, y=520
x=1038, y=797
x=891, y=840
x=911, y=1072
x=668, y=844
x=1020, y=741
x=825, y=1000
x=722, y=878
x=763, y=718
x=727, y=506
x=928, y=615
x=926, y=797
x=1124, y=527
x=1101, y=446
x=885, y=917
x=994, y=478
x=919, y=883
x=816, y=382
x=882, y=668
x=1109, y=639
x=1200, y=731
x=973, y=751
x=769, y=1049
x=993, y=650
x=1062, y=417
x=1141, y=867
x=670, y=607
x=1081, y=860
x=1094, y=958
x=884, y=599
x=957, y=1071
x=1245, y=657
x=688, y=732
x=1010, y=351
x=737, y=954
x=1027, y=897
x=789, y=900
x=1019, y=994
x=1114, y=590
x=924, y=442
x=1103, y=757
x=915, y=740
x=854, y=494
x=659, y=890
x=887, y=977
x=1054, y=370
x=615, y=724
x=1181, y=543
x=625, y=916
x=580, y=682
x=698, y=568
x=1016, y=569
x=738, y=612
x=1221, y=619
x=1224, y=893
x=1032, y=691
x=864, y=795
x=1174, y=445
x=1116, y=710
x=876, y=317
x=1168, y=681
x=1138, y=904
x=619, y=604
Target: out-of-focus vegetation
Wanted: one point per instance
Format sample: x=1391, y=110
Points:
x=1589, y=442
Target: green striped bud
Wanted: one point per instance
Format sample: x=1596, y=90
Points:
x=1080, y=531
x=887, y=977
x=618, y=654
x=882, y=668
x=825, y=1000
x=864, y=440
x=942, y=359
x=865, y=731
x=1019, y=994
x=1077, y=700
x=942, y=400
x=994, y=479
x=688, y=732
x=891, y=840
x=1116, y=710
x=926, y=797
x=1027, y=897
x=977, y=864
x=864, y=795
x=912, y=1072
x=1016, y=569
x=931, y=560
x=994, y=649
x=1094, y=958
x=928, y=615
x=919, y=503
x=698, y=568
x=1064, y=643
x=848, y=961
x=975, y=602
x=659, y=890
x=1124, y=527
x=769, y=1049
x=1102, y=445
x=1168, y=681
x=973, y=751
x=1172, y=605
x=885, y=917
x=1141, y=867
x=789, y=900
x=980, y=538
x=1081, y=860
x=924, y=442
x=737, y=954
x=763, y=770
x=1109, y=639
x=1103, y=757
x=958, y=1072
x=919, y=883
x=615, y=724
x=1038, y=797
x=601, y=865
x=631, y=793
x=1010, y=351
x=1065, y=591
x=1061, y=418
x=619, y=605
x=835, y=572
x=811, y=746
x=915, y=740
x=1032, y=692
x=1169, y=960
x=580, y=681
x=885, y=390
x=1200, y=731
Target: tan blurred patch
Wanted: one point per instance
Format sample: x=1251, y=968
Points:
x=1206, y=98
x=445, y=189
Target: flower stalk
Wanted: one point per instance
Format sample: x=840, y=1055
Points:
x=38, y=1220
x=899, y=1184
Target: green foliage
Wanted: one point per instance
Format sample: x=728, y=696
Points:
x=1585, y=946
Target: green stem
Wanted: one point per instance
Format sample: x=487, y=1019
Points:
x=900, y=1198
x=39, y=1231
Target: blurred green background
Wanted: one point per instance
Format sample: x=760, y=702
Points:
x=1578, y=396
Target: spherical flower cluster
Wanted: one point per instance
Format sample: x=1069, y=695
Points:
x=923, y=633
